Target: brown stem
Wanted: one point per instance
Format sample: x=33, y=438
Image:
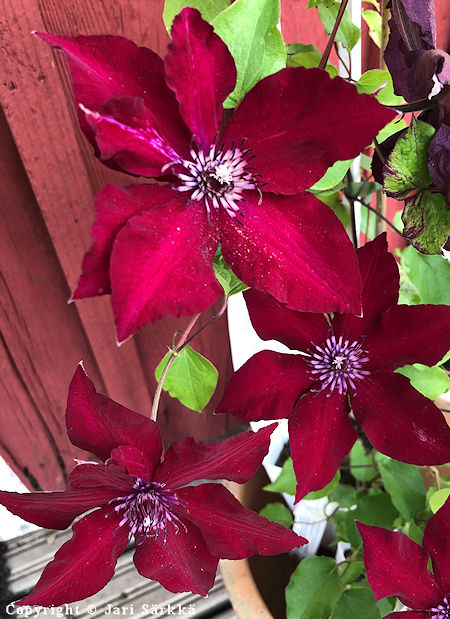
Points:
x=327, y=52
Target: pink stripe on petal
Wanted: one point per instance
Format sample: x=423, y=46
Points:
x=105, y=67
x=127, y=132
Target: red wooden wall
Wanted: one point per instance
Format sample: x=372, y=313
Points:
x=48, y=177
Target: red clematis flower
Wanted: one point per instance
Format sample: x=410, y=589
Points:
x=181, y=531
x=396, y=565
x=347, y=361
x=241, y=184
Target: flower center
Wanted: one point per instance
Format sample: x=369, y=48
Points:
x=442, y=611
x=219, y=177
x=337, y=364
x=149, y=508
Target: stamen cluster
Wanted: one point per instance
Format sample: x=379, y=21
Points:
x=218, y=177
x=442, y=611
x=337, y=364
x=149, y=509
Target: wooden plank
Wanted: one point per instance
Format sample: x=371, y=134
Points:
x=42, y=336
x=38, y=104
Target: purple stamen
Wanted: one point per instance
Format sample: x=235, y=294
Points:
x=148, y=509
x=218, y=177
x=337, y=364
x=442, y=611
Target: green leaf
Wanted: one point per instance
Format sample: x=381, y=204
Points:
x=300, y=55
x=332, y=176
x=249, y=29
x=429, y=274
x=361, y=464
x=192, y=379
x=344, y=495
x=386, y=606
x=413, y=532
x=278, y=512
x=375, y=510
x=313, y=589
x=362, y=190
x=438, y=499
x=373, y=20
x=431, y=382
x=225, y=276
x=381, y=81
x=406, y=168
x=286, y=481
x=318, y=494
x=347, y=34
x=354, y=604
x=427, y=221
x=208, y=8
x=403, y=482
x=394, y=126
x=332, y=198
x=349, y=572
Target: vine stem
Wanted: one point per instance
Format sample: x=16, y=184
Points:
x=381, y=216
x=174, y=352
x=327, y=52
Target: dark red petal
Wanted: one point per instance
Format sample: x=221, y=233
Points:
x=436, y=541
x=98, y=424
x=286, y=119
x=106, y=67
x=180, y=561
x=410, y=334
x=266, y=387
x=399, y=421
x=201, y=72
x=439, y=158
x=55, y=510
x=380, y=283
x=127, y=132
x=84, y=564
x=231, y=531
x=236, y=458
x=161, y=263
x=283, y=246
x=396, y=565
x=131, y=459
x=113, y=207
x=98, y=475
x=320, y=435
x=274, y=321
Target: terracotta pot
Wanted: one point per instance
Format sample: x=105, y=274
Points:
x=256, y=585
